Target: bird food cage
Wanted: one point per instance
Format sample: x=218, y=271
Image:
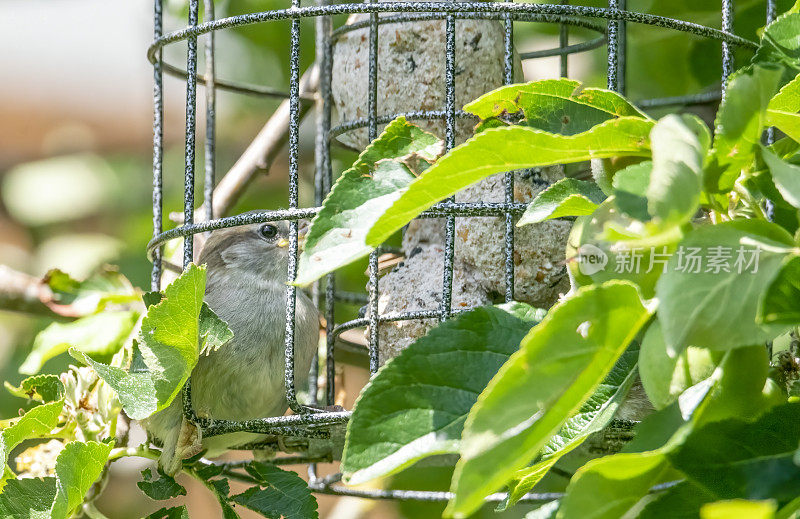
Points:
x=308, y=421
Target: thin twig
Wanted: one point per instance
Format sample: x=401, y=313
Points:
x=20, y=292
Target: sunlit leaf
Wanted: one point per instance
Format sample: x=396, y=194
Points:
x=783, y=110
x=739, y=124
x=665, y=377
x=36, y=423
x=169, y=347
x=606, y=488
x=779, y=304
x=567, y=197
x=505, y=149
x=739, y=509
x=99, y=334
x=561, y=362
x=416, y=405
x=593, y=416
x=361, y=195
x=77, y=468
x=41, y=388
x=675, y=183
x=554, y=105
x=710, y=293
x=785, y=175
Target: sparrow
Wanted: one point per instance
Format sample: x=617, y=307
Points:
x=244, y=379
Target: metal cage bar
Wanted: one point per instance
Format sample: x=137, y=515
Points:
x=727, y=51
x=372, y=111
x=211, y=115
x=294, y=158
x=191, y=109
x=508, y=178
x=445, y=307
x=158, y=147
x=307, y=422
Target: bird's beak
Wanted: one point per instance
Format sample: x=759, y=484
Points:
x=283, y=242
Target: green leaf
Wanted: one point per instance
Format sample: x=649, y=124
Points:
x=170, y=333
x=740, y=387
x=152, y=298
x=593, y=416
x=27, y=498
x=165, y=487
x=606, y=488
x=739, y=509
x=561, y=362
x=717, y=310
x=665, y=377
x=136, y=391
x=361, y=195
x=36, y=423
x=761, y=188
x=740, y=459
x=780, y=44
x=676, y=180
x=280, y=494
x=567, y=197
x=739, y=124
x=630, y=190
x=609, y=487
x=77, y=468
x=609, y=245
x=785, y=175
x=176, y=512
x=214, y=332
x=504, y=149
x=40, y=388
x=681, y=501
x=98, y=334
x=103, y=288
x=554, y=105
x=221, y=489
x=782, y=111
x=169, y=347
x=779, y=305
x=416, y=405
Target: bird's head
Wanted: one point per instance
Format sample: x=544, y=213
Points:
x=261, y=250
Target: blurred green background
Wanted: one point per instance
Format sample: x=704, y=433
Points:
x=76, y=135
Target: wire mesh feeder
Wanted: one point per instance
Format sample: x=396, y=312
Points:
x=321, y=429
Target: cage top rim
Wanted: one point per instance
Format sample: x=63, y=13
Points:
x=394, y=18
x=264, y=91
x=439, y=210
x=455, y=7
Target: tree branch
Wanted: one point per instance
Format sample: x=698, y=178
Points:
x=261, y=153
x=20, y=292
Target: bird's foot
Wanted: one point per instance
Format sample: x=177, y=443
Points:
x=189, y=440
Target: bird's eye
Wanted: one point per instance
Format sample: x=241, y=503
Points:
x=268, y=231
